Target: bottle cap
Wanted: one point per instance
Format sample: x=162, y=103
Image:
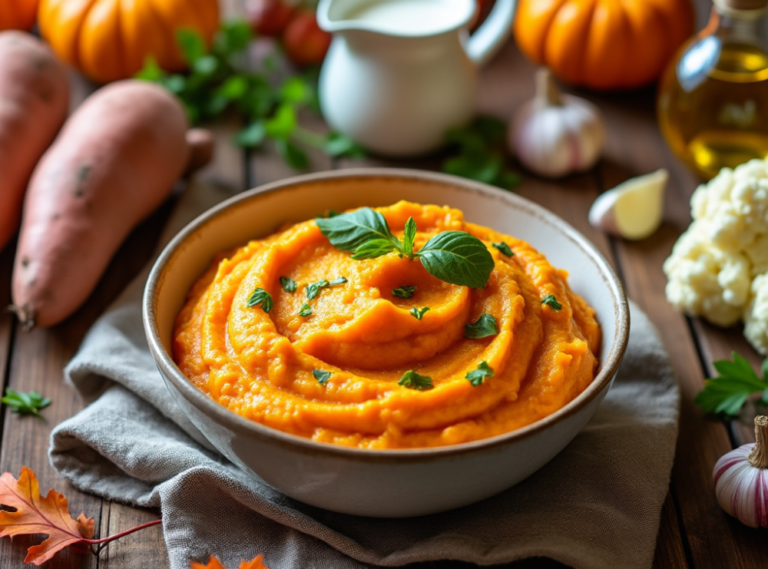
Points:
x=742, y=5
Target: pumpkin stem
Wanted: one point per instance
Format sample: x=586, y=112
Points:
x=759, y=455
x=547, y=92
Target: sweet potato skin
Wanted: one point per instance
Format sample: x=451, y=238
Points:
x=34, y=100
x=114, y=162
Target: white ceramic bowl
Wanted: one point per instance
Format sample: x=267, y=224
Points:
x=382, y=483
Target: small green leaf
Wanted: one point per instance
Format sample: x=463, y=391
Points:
x=151, y=71
x=191, y=44
x=288, y=284
x=232, y=38
x=409, y=236
x=340, y=280
x=458, y=258
x=321, y=376
x=418, y=313
x=413, y=380
x=294, y=156
x=349, y=231
x=25, y=403
x=283, y=123
x=314, y=289
x=404, y=292
x=504, y=248
x=727, y=393
x=305, y=310
x=260, y=297
x=552, y=302
x=477, y=377
x=373, y=249
x=295, y=90
x=485, y=326
x=338, y=146
x=252, y=135
x=234, y=88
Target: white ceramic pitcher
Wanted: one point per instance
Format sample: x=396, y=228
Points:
x=400, y=73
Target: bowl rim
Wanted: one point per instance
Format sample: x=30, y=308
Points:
x=216, y=412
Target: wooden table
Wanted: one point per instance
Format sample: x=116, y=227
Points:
x=694, y=530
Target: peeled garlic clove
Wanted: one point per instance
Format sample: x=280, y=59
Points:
x=633, y=209
x=555, y=134
x=741, y=479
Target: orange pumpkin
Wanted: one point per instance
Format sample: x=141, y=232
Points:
x=17, y=14
x=603, y=44
x=110, y=39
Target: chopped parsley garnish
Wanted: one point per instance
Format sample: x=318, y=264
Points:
x=314, y=289
x=340, y=280
x=305, y=310
x=551, y=301
x=261, y=297
x=404, y=292
x=504, y=248
x=735, y=382
x=477, y=377
x=413, y=380
x=321, y=376
x=288, y=284
x=418, y=313
x=485, y=326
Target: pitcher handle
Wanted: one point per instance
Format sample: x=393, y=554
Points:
x=492, y=34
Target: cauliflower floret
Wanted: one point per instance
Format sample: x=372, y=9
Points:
x=734, y=206
x=704, y=280
x=756, y=315
x=758, y=255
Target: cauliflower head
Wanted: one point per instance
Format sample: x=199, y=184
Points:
x=718, y=269
x=756, y=315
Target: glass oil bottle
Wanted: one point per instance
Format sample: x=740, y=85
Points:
x=713, y=98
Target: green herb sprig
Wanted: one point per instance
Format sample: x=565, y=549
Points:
x=404, y=292
x=726, y=393
x=321, y=376
x=478, y=153
x=414, y=380
x=455, y=257
x=288, y=284
x=418, y=313
x=504, y=248
x=485, y=326
x=261, y=297
x=25, y=403
x=219, y=82
x=477, y=377
x=552, y=302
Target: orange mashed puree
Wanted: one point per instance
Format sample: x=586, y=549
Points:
x=260, y=365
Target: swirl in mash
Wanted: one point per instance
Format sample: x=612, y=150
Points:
x=260, y=365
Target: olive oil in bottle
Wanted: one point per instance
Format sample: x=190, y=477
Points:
x=713, y=98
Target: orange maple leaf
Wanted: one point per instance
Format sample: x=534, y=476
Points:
x=213, y=563
x=36, y=514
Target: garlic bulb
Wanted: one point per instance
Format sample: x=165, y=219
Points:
x=741, y=479
x=555, y=134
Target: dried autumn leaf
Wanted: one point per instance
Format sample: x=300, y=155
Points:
x=39, y=515
x=213, y=563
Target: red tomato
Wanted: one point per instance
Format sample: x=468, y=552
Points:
x=268, y=17
x=304, y=41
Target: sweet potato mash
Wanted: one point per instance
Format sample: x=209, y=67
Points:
x=337, y=367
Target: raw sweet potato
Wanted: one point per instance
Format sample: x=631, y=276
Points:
x=34, y=99
x=114, y=162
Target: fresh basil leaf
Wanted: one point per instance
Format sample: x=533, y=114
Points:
x=373, y=249
x=418, y=313
x=552, y=302
x=314, y=289
x=261, y=297
x=340, y=280
x=409, y=236
x=504, y=248
x=288, y=284
x=413, y=380
x=477, y=377
x=458, y=258
x=349, y=231
x=321, y=376
x=485, y=326
x=404, y=292
x=305, y=310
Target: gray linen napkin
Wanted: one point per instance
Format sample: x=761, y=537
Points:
x=596, y=505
